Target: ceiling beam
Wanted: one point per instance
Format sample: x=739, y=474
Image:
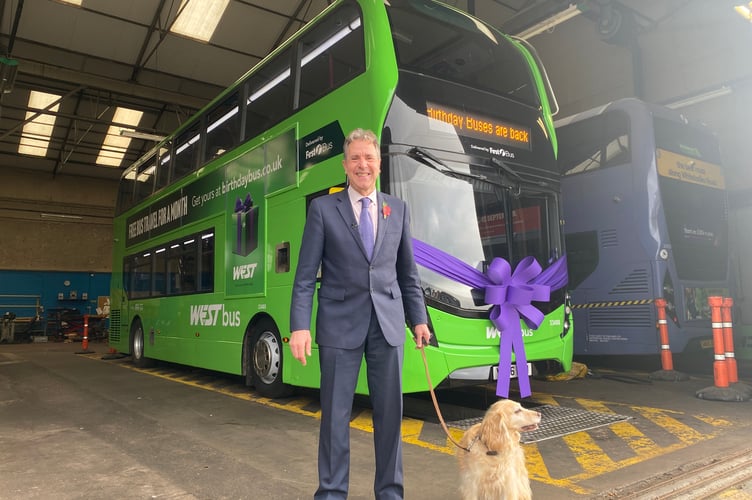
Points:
x=110, y=84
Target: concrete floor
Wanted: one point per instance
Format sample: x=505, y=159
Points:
x=74, y=426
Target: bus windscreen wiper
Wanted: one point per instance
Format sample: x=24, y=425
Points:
x=431, y=161
x=506, y=168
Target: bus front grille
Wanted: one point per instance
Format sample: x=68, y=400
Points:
x=622, y=317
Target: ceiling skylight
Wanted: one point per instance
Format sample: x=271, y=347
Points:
x=35, y=138
x=115, y=144
x=199, y=18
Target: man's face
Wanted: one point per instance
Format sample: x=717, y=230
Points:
x=362, y=166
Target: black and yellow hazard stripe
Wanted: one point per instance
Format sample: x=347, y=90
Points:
x=649, y=433
x=614, y=303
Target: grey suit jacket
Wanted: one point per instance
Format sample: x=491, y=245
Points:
x=350, y=284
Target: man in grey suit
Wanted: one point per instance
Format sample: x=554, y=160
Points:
x=369, y=287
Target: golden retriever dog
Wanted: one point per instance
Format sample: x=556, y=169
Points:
x=493, y=467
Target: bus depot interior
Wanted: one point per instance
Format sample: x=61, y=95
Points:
x=154, y=184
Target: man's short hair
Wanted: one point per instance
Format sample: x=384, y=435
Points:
x=360, y=134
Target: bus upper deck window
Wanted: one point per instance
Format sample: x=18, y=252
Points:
x=269, y=95
x=333, y=53
x=186, y=151
x=163, y=167
x=222, y=127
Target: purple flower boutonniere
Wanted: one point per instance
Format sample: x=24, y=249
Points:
x=386, y=210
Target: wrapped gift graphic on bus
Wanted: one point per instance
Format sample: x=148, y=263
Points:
x=246, y=218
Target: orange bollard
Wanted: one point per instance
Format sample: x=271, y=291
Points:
x=728, y=340
x=85, y=343
x=667, y=361
x=720, y=372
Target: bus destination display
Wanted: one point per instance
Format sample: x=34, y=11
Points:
x=481, y=127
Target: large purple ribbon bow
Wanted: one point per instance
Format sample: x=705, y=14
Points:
x=510, y=294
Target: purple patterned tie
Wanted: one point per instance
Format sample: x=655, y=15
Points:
x=366, y=226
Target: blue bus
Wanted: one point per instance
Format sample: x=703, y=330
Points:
x=646, y=216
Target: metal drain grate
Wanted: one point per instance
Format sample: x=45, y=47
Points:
x=556, y=421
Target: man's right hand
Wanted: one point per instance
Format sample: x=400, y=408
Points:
x=300, y=345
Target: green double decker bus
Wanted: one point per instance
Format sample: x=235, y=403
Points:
x=208, y=224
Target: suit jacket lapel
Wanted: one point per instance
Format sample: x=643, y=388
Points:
x=381, y=223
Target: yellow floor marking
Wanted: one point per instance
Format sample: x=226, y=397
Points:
x=588, y=454
x=640, y=444
x=300, y=404
x=591, y=457
x=411, y=428
x=363, y=421
x=735, y=495
x=715, y=422
x=593, y=460
x=682, y=431
x=537, y=470
x=546, y=399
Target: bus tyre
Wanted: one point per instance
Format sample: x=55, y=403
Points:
x=137, y=346
x=266, y=361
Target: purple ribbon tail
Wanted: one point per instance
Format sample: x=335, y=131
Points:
x=515, y=343
x=507, y=321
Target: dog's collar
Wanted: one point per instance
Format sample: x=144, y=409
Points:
x=476, y=439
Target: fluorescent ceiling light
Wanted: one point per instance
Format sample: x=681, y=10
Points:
x=144, y=176
x=35, y=138
x=135, y=134
x=77, y=3
x=550, y=23
x=59, y=216
x=745, y=11
x=698, y=98
x=115, y=143
x=198, y=19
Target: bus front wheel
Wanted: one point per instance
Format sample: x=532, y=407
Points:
x=266, y=361
x=137, y=346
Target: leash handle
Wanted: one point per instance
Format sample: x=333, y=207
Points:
x=436, y=403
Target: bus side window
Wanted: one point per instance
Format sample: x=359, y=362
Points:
x=145, y=179
x=159, y=286
x=182, y=266
x=126, y=191
x=269, y=92
x=333, y=53
x=617, y=145
x=163, y=167
x=127, y=273
x=186, y=152
x=222, y=127
x=580, y=146
x=140, y=275
x=206, y=271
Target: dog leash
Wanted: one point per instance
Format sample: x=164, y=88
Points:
x=436, y=403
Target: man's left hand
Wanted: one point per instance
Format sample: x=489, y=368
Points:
x=422, y=335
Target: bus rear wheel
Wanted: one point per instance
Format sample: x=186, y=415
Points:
x=266, y=361
x=137, y=346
